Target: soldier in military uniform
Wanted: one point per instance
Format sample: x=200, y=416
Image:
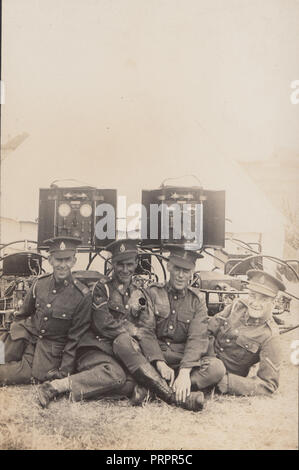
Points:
x=178, y=348
x=118, y=308
x=122, y=321
x=56, y=312
x=246, y=334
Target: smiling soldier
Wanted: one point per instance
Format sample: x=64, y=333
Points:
x=118, y=308
x=246, y=334
x=179, y=345
x=56, y=312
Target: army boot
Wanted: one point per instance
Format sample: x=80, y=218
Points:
x=147, y=376
x=194, y=402
x=46, y=393
x=141, y=395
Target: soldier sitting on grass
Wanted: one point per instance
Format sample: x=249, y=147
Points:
x=245, y=334
x=43, y=338
x=120, y=353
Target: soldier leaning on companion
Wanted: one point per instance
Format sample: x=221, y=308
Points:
x=157, y=339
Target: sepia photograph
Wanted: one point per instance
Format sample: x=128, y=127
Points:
x=149, y=227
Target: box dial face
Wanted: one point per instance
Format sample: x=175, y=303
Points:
x=64, y=210
x=86, y=210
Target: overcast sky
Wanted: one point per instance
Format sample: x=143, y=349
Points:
x=125, y=93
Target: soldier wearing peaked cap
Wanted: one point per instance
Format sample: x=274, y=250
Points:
x=122, y=322
x=118, y=308
x=56, y=312
x=179, y=345
x=245, y=334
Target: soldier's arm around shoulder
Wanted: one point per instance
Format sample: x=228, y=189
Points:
x=80, y=324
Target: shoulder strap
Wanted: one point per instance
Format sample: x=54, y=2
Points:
x=43, y=276
x=81, y=287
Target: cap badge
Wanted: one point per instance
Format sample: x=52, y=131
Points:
x=62, y=246
x=122, y=248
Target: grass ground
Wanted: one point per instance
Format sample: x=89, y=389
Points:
x=226, y=423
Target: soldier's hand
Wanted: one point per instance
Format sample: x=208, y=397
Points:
x=182, y=385
x=165, y=371
x=55, y=374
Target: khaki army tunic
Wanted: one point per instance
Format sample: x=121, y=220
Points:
x=53, y=318
x=242, y=341
x=180, y=326
x=115, y=310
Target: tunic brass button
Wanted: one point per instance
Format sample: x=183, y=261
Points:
x=175, y=297
x=173, y=311
x=221, y=349
x=40, y=337
x=170, y=327
x=188, y=321
x=45, y=318
x=227, y=340
x=43, y=331
x=126, y=307
x=117, y=308
x=54, y=291
x=48, y=305
x=97, y=337
x=246, y=346
x=225, y=323
x=64, y=315
x=168, y=343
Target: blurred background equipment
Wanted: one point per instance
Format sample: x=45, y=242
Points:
x=220, y=275
x=72, y=212
x=211, y=207
x=19, y=270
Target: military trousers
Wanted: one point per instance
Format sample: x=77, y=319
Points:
x=18, y=362
x=208, y=371
x=99, y=375
x=28, y=361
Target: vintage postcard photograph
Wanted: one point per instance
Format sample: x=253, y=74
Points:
x=149, y=227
